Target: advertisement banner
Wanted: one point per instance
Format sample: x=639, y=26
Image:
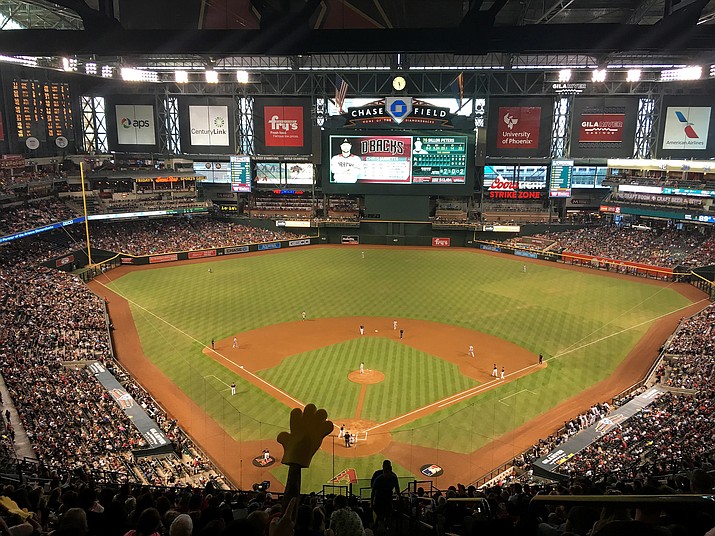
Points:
x=272, y=245
x=236, y=249
x=441, y=242
x=202, y=254
x=282, y=125
x=501, y=188
x=519, y=127
x=135, y=124
x=209, y=126
x=603, y=126
x=350, y=239
x=127, y=260
x=64, y=260
x=301, y=242
x=686, y=128
x=163, y=258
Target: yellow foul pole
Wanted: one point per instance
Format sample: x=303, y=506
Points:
x=86, y=221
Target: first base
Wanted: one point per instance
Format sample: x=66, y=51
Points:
x=375, y=331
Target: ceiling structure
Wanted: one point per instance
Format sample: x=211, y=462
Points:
x=335, y=35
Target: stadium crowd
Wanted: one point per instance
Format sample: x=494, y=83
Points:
x=151, y=237
x=34, y=214
x=664, y=248
x=691, y=352
x=51, y=324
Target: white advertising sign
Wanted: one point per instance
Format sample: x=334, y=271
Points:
x=209, y=125
x=686, y=128
x=135, y=124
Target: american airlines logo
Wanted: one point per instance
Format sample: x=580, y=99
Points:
x=282, y=124
x=686, y=127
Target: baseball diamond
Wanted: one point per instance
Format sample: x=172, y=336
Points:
x=422, y=398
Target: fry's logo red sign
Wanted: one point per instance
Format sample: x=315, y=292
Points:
x=284, y=126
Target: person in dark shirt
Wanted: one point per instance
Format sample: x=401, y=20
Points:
x=383, y=483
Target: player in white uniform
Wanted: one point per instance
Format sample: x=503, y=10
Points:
x=470, y=352
x=362, y=368
x=494, y=371
x=346, y=167
x=235, y=342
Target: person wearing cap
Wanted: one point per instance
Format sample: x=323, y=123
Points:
x=346, y=168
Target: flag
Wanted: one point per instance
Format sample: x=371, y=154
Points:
x=458, y=90
x=341, y=90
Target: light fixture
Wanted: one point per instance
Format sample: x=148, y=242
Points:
x=598, y=75
x=633, y=75
x=712, y=71
x=242, y=77
x=211, y=77
x=564, y=75
x=686, y=73
x=181, y=77
x=69, y=64
x=130, y=74
x=90, y=68
x=107, y=71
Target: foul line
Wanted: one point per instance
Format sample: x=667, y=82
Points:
x=219, y=379
x=191, y=337
x=468, y=393
x=514, y=394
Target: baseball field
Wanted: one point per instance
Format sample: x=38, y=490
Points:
x=421, y=399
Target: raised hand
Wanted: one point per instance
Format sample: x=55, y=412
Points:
x=307, y=430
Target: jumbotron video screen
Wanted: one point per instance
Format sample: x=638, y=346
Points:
x=363, y=162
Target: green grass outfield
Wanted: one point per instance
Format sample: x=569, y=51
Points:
x=587, y=320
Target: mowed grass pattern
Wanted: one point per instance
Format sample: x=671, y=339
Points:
x=585, y=319
x=412, y=378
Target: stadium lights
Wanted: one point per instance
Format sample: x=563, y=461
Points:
x=564, y=75
x=69, y=64
x=27, y=61
x=712, y=71
x=598, y=75
x=686, y=73
x=634, y=75
x=211, y=77
x=90, y=68
x=181, y=77
x=131, y=74
x=242, y=77
x=107, y=71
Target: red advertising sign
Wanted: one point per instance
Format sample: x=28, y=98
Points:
x=519, y=127
x=601, y=128
x=442, y=242
x=504, y=189
x=127, y=260
x=608, y=208
x=202, y=254
x=284, y=126
x=64, y=260
x=163, y=258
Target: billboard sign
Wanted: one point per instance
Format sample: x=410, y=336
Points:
x=519, y=127
x=686, y=128
x=282, y=125
x=209, y=126
x=601, y=128
x=135, y=124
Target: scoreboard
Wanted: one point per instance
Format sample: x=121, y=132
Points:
x=439, y=159
x=398, y=159
x=42, y=109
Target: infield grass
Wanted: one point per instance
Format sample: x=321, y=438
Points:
x=586, y=321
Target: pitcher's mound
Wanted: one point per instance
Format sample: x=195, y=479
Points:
x=369, y=376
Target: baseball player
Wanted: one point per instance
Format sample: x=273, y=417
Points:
x=341, y=433
x=346, y=167
x=470, y=352
x=235, y=342
x=394, y=325
x=494, y=371
x=362, y=367
x=303, y=315
x=362, y=329
x=502, y=373
x=233, y=389
x=523, y=269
